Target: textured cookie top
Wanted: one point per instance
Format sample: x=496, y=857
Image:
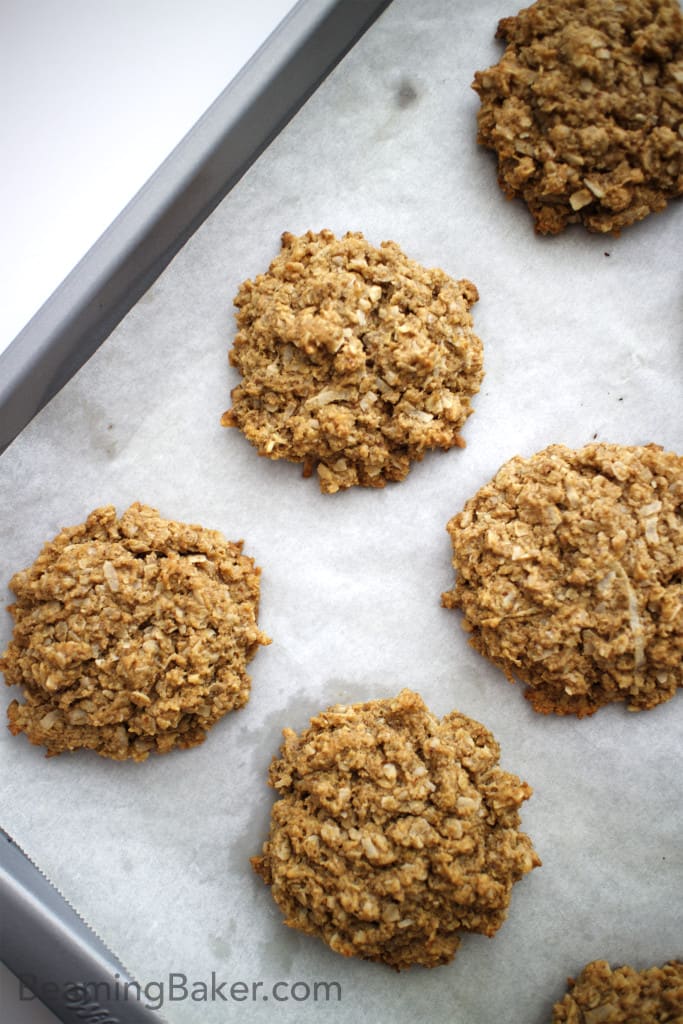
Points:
x=394, y=831
x=569, y=571
x=585, y=110
x=623, y=996
x=355, y=360
x=131, y=635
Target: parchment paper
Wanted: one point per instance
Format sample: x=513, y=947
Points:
x=582, y=340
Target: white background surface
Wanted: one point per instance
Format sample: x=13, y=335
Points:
x=95, y=97
x=96, y=94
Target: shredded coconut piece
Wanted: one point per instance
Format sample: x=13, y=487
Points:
x=634, y=619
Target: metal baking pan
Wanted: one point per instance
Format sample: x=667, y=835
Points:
x=154, y=226
x=55, y=955
x=44, y=941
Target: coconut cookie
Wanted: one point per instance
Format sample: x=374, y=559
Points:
x=569, y=573
x=623, y=996
x=394, y=831
x=131, y=635
x=584, y=110
x=355, y=360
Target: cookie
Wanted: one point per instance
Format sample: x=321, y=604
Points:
x=584, y=111
x=355, y=360
x=394, y=831
x=569, y=573
x=623, y=996
x=131, y=635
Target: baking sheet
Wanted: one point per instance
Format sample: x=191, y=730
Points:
x=582, y=340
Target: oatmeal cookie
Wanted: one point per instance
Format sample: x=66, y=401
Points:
x=394, y=831
x=585, y=110
x=131, y=635
x=355, y=360
x=569, y=573
x=623, y=996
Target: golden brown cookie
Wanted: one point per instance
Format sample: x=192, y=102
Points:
x=131, y=635
x=569, y=572
x=394, y=831
x=585, y=110
x=354, y=360
x=623, y=996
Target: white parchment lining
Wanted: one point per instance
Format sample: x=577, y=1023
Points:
x=582, y=340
